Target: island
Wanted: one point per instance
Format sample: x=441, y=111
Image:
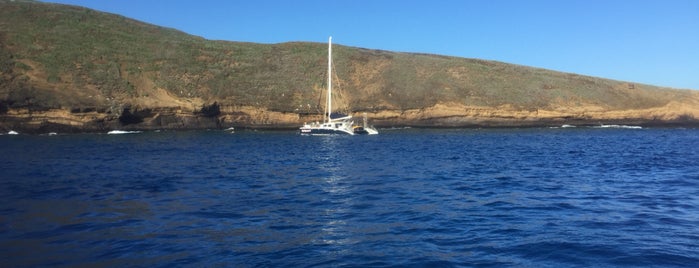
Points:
x=70, y=69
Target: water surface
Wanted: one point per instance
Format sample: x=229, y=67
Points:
x=521, y=197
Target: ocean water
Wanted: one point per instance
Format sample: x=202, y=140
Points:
x=407, y=197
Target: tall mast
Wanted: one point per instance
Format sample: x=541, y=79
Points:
x=330, y=80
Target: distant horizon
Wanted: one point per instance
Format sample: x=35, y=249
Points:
x=648, y=42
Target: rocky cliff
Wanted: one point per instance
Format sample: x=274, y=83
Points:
x=71, y=69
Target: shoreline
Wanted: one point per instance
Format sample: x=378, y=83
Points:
x=34, y=121
x=629, y=124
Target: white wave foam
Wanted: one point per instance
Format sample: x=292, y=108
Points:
x=122, y=132
x=395, y=128
x=12, y=132
x=565, y=126
x=619, y=126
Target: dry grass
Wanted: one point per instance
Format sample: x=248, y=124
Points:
x=61, y=56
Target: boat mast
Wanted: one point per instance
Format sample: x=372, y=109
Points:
x=330, y=80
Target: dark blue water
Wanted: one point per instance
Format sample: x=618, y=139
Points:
x=533, y=197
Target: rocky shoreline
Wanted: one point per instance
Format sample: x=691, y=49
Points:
x=217, y=116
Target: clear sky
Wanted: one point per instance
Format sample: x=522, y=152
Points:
x=646, y=41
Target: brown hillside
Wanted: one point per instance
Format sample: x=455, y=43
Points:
x=66, y=68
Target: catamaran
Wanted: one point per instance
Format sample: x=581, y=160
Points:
x=335, y=123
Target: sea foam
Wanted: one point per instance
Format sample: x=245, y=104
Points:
x=122, y=132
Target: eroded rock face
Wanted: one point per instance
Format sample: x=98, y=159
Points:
x=211, y=110
x=454, y=115
x=129, y=118
x=217, y=116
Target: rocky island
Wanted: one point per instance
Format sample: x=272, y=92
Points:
x=71, y=69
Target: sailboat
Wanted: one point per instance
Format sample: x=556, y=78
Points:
x=335, y=123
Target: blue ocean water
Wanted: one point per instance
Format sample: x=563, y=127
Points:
x=407, y=197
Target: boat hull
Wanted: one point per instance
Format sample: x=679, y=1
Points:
x=365, y=131
x=324, y=131
x=306, y=130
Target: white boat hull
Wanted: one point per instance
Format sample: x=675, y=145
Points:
x=342, y=128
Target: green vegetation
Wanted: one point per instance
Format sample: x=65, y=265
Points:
x=55, y=55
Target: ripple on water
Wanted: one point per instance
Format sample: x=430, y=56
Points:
x=515, y=197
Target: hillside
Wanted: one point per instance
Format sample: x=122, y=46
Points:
x=71, y=69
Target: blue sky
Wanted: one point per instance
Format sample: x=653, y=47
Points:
x=646, y=41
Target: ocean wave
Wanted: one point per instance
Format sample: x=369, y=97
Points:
x=395, y=128
x=113, y=132
x=618, y=126
x=565, y=126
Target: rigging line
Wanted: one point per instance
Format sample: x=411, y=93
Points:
x=320, y=99
x=321, y=93
x=338, y=94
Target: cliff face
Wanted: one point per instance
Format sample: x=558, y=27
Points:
x=70, y=69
